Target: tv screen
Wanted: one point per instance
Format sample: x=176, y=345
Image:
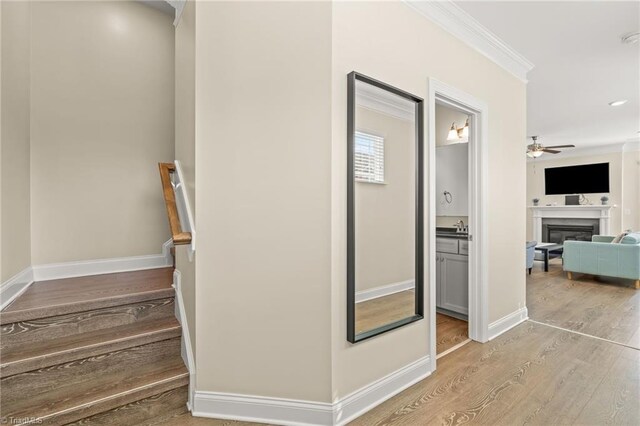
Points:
x=583, y=179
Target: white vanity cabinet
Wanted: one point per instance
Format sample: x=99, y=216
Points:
x=452, y=277
x=452, y=176
x=452, y=281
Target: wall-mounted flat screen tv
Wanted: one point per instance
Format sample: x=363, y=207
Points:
x=583, y=179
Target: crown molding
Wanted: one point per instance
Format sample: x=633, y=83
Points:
x=379, y=100
x=632, y=146
x=178, y=5
x=459, y=23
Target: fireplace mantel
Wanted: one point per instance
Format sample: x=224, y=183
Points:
x=578, y=212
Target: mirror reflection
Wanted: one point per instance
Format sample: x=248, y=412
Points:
x=384, y=203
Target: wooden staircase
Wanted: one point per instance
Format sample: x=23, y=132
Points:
x=95, y=350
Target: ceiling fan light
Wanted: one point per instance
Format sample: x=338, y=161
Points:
x=530, y=154
x=453, y=133
x=537, y=153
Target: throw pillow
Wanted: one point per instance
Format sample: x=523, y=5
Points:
x=619, y=238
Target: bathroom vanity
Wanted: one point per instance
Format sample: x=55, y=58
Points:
x=452, y=272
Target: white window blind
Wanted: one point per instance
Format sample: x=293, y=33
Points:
x=369, y=158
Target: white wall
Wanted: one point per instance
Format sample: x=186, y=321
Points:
x=185, y=95
x=452, y=176
x=15, y=200
x=102, y=116
x=271, y=188
x=409, y=51
x=631, y=188
x=1, y=120
x=263, y=174
x=444, y=117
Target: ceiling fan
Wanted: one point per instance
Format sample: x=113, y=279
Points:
x=536, y=149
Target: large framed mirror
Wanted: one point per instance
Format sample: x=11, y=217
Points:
x=385, y=268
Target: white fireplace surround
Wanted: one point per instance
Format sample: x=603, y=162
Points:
x=571, y=212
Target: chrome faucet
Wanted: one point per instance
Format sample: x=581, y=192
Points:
x=460, y=226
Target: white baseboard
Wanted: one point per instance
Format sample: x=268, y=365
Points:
x=384, y=290
x=166, y=252
x=185, y=349
x=249, y=408
x=374, y=394
x=295, y=412
x=15, y=286
x=54, y=271
x=507, y=322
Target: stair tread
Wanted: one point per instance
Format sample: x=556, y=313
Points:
x=143, y=412
x=86, y=340
x=63, y=296
x=65, y=291
x=77, y=396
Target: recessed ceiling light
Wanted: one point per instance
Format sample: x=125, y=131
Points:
x=618, y=103
x=630, y=38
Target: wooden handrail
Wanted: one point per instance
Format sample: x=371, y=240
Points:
x=178, y=236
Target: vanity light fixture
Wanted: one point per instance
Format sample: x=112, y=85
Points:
x=618, y=103
x=458, y=133
x=453, y=133
x=465, y=130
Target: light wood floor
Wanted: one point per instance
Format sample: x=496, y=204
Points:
x=449, y=332
x=384, y=310
x=604, y=307
x=534, y=374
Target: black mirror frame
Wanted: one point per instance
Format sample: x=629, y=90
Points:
x=419, y=236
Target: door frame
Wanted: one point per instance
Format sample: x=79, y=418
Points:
x=478, y=112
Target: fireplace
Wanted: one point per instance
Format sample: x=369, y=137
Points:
x=571, y=216
x=559, y=230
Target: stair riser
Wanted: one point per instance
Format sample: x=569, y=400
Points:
x=65, y=325
x=29, y=364
x=113, y=402
x=143, y=412
x=118, y=364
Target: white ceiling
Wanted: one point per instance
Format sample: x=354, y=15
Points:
x=580, y=66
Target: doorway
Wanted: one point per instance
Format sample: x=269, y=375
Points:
x=459, y=258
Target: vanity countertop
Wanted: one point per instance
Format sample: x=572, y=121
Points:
x=442, y=232
x=453, y=236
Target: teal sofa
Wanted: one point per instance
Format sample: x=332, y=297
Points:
x=601, y=257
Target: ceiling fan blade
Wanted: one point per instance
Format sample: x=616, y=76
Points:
x=551, y=151
x=561, y=146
